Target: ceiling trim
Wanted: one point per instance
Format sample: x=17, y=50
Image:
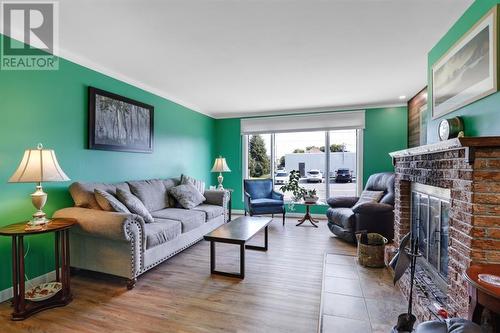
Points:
x=82, y=61
x=285, y=112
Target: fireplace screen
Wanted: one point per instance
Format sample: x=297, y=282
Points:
x=430, y=207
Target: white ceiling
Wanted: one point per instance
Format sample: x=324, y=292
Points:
x=230, y=58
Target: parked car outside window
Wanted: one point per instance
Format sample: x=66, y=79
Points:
x=280, y=177
x=314, y=176
x=343, y=176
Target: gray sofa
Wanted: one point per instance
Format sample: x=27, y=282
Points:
x=122, y=244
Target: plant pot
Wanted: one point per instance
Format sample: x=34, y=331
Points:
x=311, y=199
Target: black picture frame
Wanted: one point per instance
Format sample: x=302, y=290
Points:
x=96, y=143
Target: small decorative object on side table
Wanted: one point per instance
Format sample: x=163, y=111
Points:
x=22, y=307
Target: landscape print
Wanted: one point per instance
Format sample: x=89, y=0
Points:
x=466, y=74
x=117, y=123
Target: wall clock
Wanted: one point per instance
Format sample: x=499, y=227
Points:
x=450, y=128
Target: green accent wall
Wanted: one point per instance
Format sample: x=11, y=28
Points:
x=481, y=118
x=51, y=107
x=386, y=131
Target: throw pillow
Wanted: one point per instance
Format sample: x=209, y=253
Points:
x=187, y=195
x=200, y=185
x=109, y=202
x=369, y=196
x=134, y=205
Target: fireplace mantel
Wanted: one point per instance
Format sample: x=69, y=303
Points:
x=469, y=143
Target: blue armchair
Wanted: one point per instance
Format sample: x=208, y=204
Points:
x=260, y=198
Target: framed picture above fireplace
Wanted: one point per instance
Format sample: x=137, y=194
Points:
x=468, y=71
x=119, y=123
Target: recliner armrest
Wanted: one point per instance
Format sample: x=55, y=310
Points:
x=373, y=208
x=342, y=202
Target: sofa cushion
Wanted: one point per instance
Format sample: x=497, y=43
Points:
x=368, y=196
x=211, y=211
x=266, y=202
x=83, y=193
x=161, y=231
x=152, y=193
x=169, y=183
x=343, y=217
x=199, y=184
x=187, y=195
x=134, y=205
x=109, y=202
x=190, y=219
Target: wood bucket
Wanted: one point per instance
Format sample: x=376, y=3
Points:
x=372, y=253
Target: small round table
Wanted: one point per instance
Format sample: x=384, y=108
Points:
x=483, y=295
x=308, y=216
x=25, y=308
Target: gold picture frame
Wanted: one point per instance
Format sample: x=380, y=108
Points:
x=468, y=71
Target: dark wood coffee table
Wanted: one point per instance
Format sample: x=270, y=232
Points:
x=239, y=231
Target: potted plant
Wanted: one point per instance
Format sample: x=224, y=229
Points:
x=298, y=192
x=310, y=196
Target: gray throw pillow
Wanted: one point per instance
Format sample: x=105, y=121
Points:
x=369, y=196
x=134, y=205
x=109, y=202
x=199, y=184
x=187, y=195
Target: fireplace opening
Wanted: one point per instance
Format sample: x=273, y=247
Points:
x=430, y=207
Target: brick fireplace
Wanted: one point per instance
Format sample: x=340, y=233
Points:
x=469, y=170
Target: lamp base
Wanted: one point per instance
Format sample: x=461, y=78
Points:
x=220, y=179
x=39, y=198
x=38, y=221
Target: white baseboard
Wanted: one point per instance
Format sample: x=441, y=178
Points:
x=8, y=293
x=318, y=216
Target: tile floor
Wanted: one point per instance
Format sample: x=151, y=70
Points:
x=356, y=299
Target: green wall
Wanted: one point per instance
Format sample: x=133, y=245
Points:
x=386, y=131
x=51, y=107
x=481, y=118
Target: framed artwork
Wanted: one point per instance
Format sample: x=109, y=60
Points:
x=468, y=71
x=118, y=123
x=417, y=119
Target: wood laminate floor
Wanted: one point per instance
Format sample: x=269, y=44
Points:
x=280, y=293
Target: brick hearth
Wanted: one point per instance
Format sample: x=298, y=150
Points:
x=470, y=168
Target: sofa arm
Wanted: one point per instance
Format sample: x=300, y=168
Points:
x=104, y=224
x=372, y=208
x=216, y=197
x=342, y=202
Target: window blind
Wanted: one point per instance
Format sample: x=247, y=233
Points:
x=301, y=123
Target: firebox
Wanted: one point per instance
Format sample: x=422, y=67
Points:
x=430, y=208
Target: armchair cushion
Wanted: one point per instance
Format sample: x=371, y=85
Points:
x=369, y=196
x=265, y=202
x=372, y=208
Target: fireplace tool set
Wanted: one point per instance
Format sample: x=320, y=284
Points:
x=406, y=257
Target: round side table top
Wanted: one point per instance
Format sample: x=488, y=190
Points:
x=56, y=224
x=472, y=276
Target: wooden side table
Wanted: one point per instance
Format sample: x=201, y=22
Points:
x=483, y=295
x=308, y=216
x=25, y=308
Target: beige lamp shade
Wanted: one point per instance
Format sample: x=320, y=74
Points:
x=38, y=165
x=220, y=165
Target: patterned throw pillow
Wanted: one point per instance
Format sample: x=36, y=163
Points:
x=134, y=205
x=187, y=195
x=369, y=196
x=199, y=184
x=109, y=202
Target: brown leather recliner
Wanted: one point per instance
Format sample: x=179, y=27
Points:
x=344, y=221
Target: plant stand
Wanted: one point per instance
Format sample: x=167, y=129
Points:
x=308, y=216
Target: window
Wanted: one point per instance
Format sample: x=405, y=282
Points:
x=259, y=156
x=331, y=172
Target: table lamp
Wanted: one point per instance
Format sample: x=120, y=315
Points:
x=37, y=166
x=220, y=166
